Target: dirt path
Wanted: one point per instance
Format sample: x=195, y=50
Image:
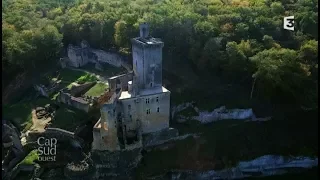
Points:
x=38, y=124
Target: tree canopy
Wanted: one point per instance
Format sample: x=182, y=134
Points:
x=234, y=38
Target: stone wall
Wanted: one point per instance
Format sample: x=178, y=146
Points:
x=46, y=91
x=42, y=90
x=77, y=56
x=104, y=97
x=79, y=89
x=59, y=134
x=80, y=56
x=78, y=103
x=97, y=139
x=107, y=57
x=155, y=121
x=123, y=79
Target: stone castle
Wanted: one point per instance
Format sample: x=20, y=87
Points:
x=140, y=105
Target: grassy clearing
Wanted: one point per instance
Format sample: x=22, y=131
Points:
x=86, y=78
x=69, y=76
x=21, y=111
x=225, y=143
x=108, y=70
x=30, y=158
x=96, y=90
x=66, y=117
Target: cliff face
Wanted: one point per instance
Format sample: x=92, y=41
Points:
x=116, y=165
x=12, y=148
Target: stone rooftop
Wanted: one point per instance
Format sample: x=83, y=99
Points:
x=145, y=92
x=147, y=41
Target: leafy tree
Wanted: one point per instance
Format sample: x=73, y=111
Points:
x=277, y=8
x=212, y=54
x=120, y=37
x=279, y=70
x=309, y=52
x=269, y=42
x=215, y=36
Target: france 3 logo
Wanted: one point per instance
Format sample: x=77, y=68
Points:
x=288, y=23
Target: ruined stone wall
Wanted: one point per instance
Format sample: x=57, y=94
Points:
x=80, y=56
x=104, y=97
x=96, y=143
x=107, y=57
x=81, y=88
x=124, y=79
x=66, y=98
x=109, y=128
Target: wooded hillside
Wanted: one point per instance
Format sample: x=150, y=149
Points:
x=232, y=39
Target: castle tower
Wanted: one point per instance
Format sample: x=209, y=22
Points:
x=147, y=60
x=108, y=129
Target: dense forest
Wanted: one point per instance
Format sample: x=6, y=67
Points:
x=231, y=39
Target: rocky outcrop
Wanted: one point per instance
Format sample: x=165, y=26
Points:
x=263, y=166
x=223, y=113
x=12, y=145
x=79, y=56
x=217, y=114
x=176, y=109
x=160, y=137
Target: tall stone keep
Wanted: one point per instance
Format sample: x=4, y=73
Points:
x=139, y=109
x=109, y=128
x=147, y=60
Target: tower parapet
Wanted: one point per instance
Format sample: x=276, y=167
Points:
x=147, y=59
x=144, y=30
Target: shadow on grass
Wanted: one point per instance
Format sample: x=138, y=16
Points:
x=69, y=118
